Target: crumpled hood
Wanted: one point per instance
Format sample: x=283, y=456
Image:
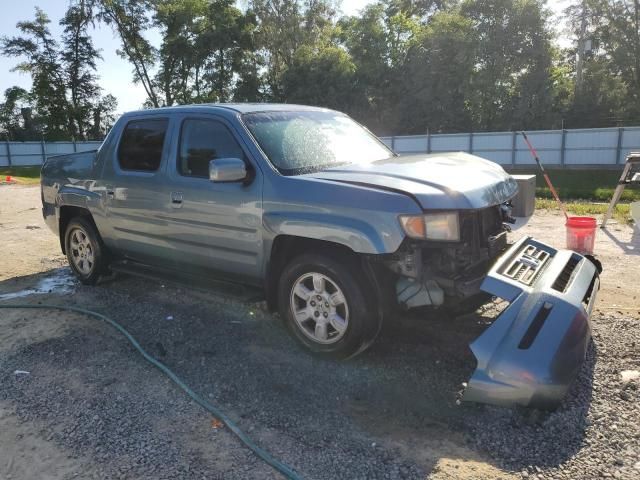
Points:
x=439, y=181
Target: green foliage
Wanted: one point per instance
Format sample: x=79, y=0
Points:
x=320, y=76
x=206, y=46
x=621, y=212
x=65, y=100
x=15, y=114
x=399, y=66
x=379, y=41
x=283, y=26
x=79, y=56
x=576, y=184
x=22, y=175
x=41, y=59
x=130, y=20
x=511, y=81
x=437, y=77
x=609, y=94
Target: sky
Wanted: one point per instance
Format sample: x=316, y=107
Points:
x=114, y=72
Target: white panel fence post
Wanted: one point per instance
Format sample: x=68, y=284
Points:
x=8, y=144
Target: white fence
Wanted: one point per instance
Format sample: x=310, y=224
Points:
x=559, y=148
x=35, y=153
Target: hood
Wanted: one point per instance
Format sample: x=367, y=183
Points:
x=442, y=181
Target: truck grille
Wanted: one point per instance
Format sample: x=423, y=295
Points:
x=479, y=226
x=527, y=265
x=564, y=278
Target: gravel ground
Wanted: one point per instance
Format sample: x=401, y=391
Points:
x=90, y=407
x=596, y=432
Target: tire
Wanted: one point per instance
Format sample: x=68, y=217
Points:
x=85, y=250
x=336, y=315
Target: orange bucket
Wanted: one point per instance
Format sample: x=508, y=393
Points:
x=581, y=234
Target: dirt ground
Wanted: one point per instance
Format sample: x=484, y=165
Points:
x=390, y=413
x=617, y=247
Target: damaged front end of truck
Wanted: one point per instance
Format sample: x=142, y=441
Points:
x=454, y=254
x=533, y=350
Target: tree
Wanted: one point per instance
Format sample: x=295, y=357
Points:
x=602, y=64
x=322, y=76
x=513, y=58
x=103, y=117
x=283, y=26
x=250, y=85
x=616, y=31
x=379, y=40
x=436, y=80
x=207, y=51
x=65, y=94
x=13, y=124
x=79, y=58
x=618, y=28
x=222, y=44
x=41, y=59
x=422, y=9
x=181, y=64
x=130, y=19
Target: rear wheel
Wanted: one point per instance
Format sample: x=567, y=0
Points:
x=326, y=307
x=85, y=251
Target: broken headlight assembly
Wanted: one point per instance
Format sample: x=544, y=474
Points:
x=442, y=226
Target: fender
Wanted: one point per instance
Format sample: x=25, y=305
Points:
x=356, y=234
x=80, y=197
x=77, y=196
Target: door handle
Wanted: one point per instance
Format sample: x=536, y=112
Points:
x=111, y=193
x=176, y=199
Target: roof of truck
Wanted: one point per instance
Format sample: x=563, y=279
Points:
x=236, y=107
x=262, y=107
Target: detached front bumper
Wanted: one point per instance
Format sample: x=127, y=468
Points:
x=532, y=352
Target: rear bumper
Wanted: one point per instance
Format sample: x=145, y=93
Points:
x=532, y=352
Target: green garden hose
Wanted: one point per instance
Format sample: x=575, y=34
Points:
x=263, y=454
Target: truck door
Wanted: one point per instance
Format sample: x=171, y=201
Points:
x=213, y=226
x=135, y=186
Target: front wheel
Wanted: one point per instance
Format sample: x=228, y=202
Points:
x=84, y=249
x=326, y=307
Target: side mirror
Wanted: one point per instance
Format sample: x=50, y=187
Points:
x=227, y=170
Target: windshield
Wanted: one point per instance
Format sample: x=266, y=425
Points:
x=307, y=141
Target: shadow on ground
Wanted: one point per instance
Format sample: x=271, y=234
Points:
x=632, y=247
x=389, y=413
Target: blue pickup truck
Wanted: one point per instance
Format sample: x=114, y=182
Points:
x=336, y=229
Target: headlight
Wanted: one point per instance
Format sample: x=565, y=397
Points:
x=432, y=226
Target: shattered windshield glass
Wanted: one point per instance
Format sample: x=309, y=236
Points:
x=305, y=141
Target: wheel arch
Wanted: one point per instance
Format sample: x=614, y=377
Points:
x=68, y=213
x=286, y=247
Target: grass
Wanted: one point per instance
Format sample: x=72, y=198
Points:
x=587, y=209
x=592, y=184
x=584, y=192
x=22, y=175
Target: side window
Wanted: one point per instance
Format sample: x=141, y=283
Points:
x=141, y=145
x=202, y=141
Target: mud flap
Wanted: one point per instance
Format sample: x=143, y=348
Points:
x=532, y=352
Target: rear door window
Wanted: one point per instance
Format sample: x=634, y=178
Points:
x=141, y=145
x=204, y=140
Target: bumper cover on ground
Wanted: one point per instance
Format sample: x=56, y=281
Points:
x=532, y=352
